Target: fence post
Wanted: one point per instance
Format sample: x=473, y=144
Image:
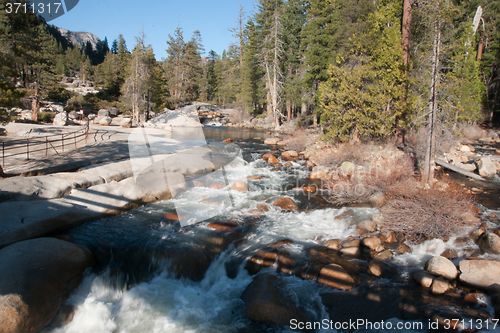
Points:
x=46, y=145
x=74, y=137
x=62, y=141
x=27, y=149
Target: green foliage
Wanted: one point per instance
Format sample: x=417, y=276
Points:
x=365, y=90
x=47, y=117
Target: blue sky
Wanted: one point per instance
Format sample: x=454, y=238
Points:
x=109, y=18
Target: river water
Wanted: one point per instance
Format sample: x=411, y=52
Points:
x=137, y=287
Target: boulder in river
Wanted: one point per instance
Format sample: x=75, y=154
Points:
x=335, y=276
x=36, y=276
x=285, y=203
x=267, y=301
x=441, y=266
x=239, y=186
x=271, y=141
x=481, y=274
x=486, y=167
x=489, y=242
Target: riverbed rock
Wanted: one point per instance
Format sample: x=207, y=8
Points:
x=223, y=225
x=334, y=244
x=239, y=186
x=267, y=301
x=384, y=255
x=481, y=274
x=372, y=243
x=486, y=167
x=272, y=159
x=36, y=276
x=335, y=276
x=271, y=141
x=377, y=199
x=440, y=286
x=373, y=304
x=489, y=242
x=367, y=226
x=423, y=278
x=285, y=203
x=441, y=266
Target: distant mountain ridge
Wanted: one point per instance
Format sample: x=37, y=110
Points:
x=80, y=38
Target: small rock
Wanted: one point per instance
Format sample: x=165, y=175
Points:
x=489, y=242
x=272, y=159
x=377, y=199
x=351, y=243
x=388, y=237
x=449, y=254
x=475, y=298
x=288, y=164
x=285, y=203
x=333, y=244
x=271, y=141
x=367, y=225
x=384, y=255
x=227, y=141
x=440, y=286
x=222, y=225
x=239, y=186
x=477, y=233
x=171, y=216
x=351, y=251
x=423, y=278
x=465, y=148
x=441, y=266
x=335, y=276
x=217, y=186
x=280, y=243
x=372, y=242
x=256, y=212
x=263, y=207
x=376, y=268
x=486, y=167
x=265, y=157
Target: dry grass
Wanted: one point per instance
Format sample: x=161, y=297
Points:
x=445, y=139
x=357, y=187
x=334, y=157
x=300, y=139
x=425, y=213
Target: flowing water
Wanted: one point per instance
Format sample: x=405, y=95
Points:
x=139, y=287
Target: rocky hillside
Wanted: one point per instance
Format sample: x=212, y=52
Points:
x=80, y=38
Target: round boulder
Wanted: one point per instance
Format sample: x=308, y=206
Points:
x=105, y=121
x=239, y=186
x=36, y=276
x=285, y=203
x=441, y=266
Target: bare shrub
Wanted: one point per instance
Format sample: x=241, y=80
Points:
x=471, y=132
x=445, y=139
x=357, y=188
x=334, y=157
x=425, y=213
x=300, y=139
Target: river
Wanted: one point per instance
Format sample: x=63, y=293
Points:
x=153, y=275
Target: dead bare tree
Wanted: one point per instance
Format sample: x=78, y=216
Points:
x=271, y=57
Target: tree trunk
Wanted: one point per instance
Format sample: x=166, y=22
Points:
x=35, y=104
x=428, y=174
x=406, y=43
x=303, y=109
x=289, y=110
